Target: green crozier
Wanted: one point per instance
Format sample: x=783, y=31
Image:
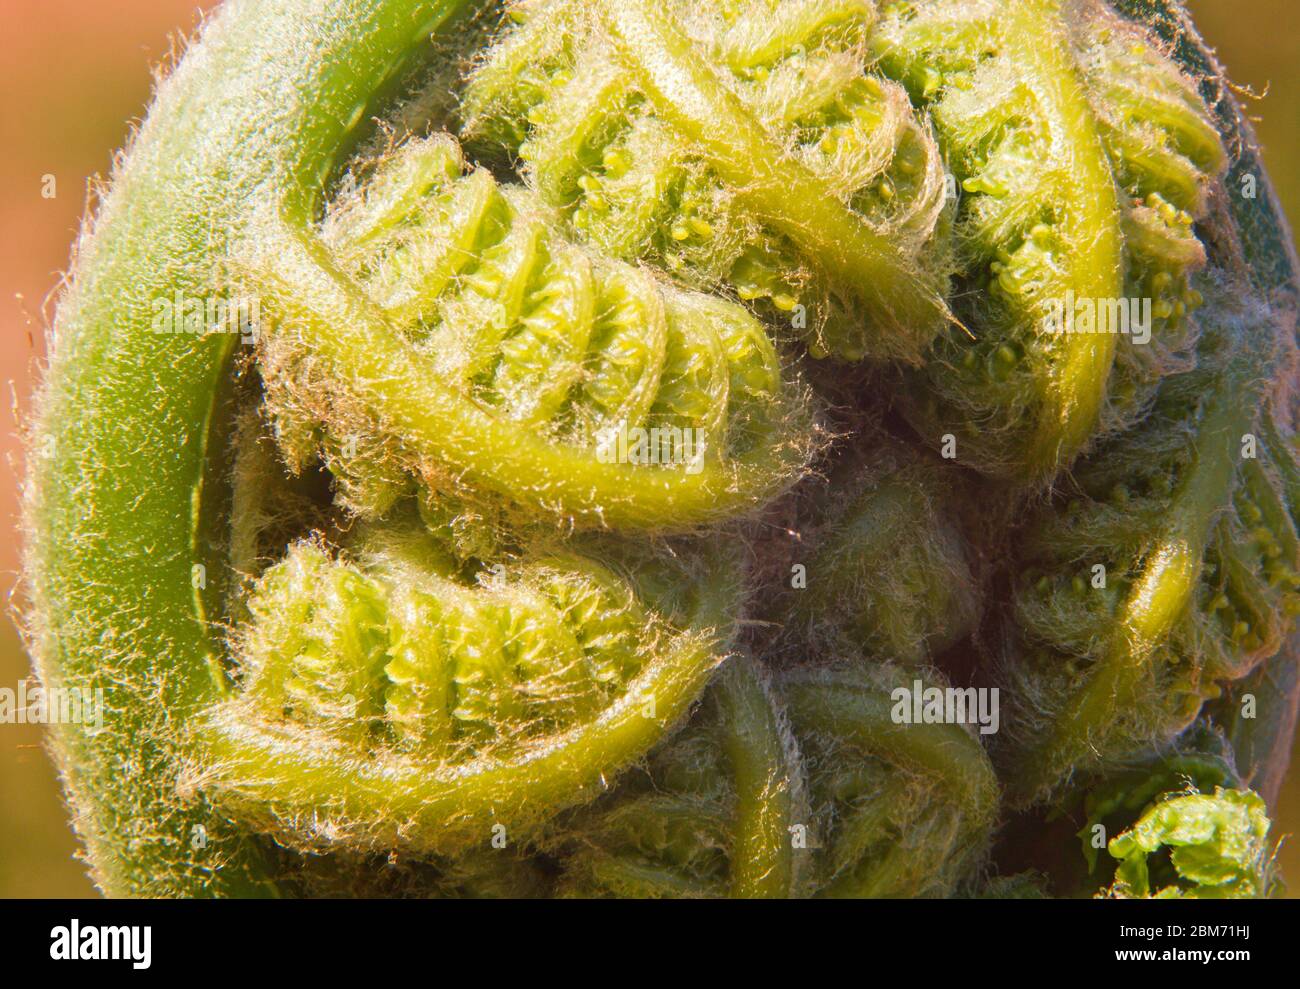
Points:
x=1171, y=572
x=460, y=581
x=1065, y=130
x=439, y=330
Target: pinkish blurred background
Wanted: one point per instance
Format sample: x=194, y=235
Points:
x=74, y=74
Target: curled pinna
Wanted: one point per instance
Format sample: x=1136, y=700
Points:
x=715, y=812
x=387, y=702
x=884, y=566
x=1082, y=156
x=504, y=364
x=1167, y=570
x=901, y=807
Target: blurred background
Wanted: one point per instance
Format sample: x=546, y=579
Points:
x=76, y=74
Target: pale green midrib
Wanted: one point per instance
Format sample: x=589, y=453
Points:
x=1033, y=36
x=1172, y=567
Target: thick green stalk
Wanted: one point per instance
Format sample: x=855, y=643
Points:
x=250, y=122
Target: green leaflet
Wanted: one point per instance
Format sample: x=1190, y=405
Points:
x=1201, y=761
x=1082, y=157
x=733, y=144
x=1171, y=570
x=510, y=369
x=399, y=706
x=1216, y=846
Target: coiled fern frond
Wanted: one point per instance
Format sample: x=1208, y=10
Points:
x=568, y=528
x=1168, y=570
x=394, y=705
x=526, y=360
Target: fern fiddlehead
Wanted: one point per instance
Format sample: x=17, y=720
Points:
x=738, y=144
x=901, y=809
x=423, y=646
x=712, y=813
x=398, y=707
x=1124, y=629
x=1217, y=848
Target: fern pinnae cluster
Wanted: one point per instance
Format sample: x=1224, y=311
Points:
x=521, y=355
x=900, y=809
x=396, y=704
x=1065, y=130
x=735, y=145
x=1171, y=569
